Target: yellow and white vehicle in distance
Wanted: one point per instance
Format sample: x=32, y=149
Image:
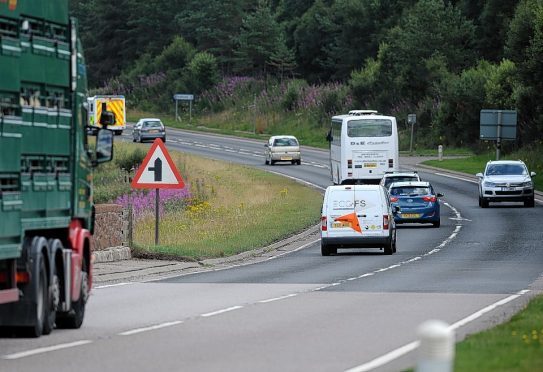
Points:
x=114, y=104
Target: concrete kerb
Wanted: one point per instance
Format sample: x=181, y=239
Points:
x=124, y=253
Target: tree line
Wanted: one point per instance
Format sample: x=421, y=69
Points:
x=444, y=60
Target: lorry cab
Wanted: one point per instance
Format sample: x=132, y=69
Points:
x=357, y=216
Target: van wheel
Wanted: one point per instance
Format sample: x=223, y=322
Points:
x=389, y=248
x=325, y=250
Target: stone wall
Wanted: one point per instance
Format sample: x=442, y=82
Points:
x=110, y=227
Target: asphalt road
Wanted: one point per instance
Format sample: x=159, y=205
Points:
x=355, y=311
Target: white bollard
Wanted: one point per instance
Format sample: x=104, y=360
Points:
x=436, y=350
x=440, y=152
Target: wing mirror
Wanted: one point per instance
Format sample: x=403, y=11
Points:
x=532, y=174
x=396, y=209
x=439, y=195
x=480, y=175
x=104, y=146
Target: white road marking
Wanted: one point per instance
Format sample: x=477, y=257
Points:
x=150, y=328
x=395, y=354
x=46, y=349
x=221, y=311
x=112, y=285
x=456, y=177
x=277, y=298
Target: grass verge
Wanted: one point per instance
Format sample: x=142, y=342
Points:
x=513, y=346
x=475, y=164
x=230, y=208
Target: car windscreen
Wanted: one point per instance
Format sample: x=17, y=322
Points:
x=505, y=169
x=152, y=124
x=369, y=128
x=285, y=142
x=410, y=191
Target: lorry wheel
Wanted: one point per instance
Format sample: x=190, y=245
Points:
x=54, y=289
x=74, y=319
x=41, y=302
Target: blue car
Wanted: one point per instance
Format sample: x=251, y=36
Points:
x=417, y=201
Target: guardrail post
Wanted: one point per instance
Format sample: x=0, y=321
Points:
x=436, y=350
x=440, y=152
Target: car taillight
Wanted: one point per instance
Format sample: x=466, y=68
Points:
x=393, y=199
x=429, y=199
x=324, y=223
x=391, y=163
x=349, y=163
x=385, y=222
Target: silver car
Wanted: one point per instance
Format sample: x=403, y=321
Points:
x=148, y=129
x=506, y=180
x=282, y=148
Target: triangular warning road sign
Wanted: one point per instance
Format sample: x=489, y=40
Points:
x=158, y=170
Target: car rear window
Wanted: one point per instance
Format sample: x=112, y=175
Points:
x=152, y=124
x=391, y=180
x=285, y=142
x=410, y=191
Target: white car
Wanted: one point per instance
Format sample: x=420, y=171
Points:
x=282, y=148
x=506, y=180
x=390, y=178
x=357, y=216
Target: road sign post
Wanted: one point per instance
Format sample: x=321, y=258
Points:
x=183, y=97
x=411, y=119
x=157, y=171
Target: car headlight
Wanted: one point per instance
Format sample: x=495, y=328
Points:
x=527, y=184
x=489, y=184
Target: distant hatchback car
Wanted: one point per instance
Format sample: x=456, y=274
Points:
x=148, y=129
x=390, y=178
x=506, y=180
x=282, y=148
x=418, y=202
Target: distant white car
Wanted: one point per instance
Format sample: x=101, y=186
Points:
x=506, y=180
x=390, y=178
x=282, y=148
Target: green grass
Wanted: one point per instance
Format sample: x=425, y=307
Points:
x=513, y=346
x=233, y=208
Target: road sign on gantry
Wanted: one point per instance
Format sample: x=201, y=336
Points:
x=158, y=170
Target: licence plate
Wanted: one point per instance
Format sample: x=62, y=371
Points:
x=370, y=165
x=286, y=157
x=153, y=131
x=508, y=189
x=341, y=225
x=410, y=215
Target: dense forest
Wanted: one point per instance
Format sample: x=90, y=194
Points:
x=443, y=60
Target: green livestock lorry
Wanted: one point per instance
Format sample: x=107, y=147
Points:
x=46, y=161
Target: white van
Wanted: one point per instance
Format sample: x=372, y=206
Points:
x=357, y=216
